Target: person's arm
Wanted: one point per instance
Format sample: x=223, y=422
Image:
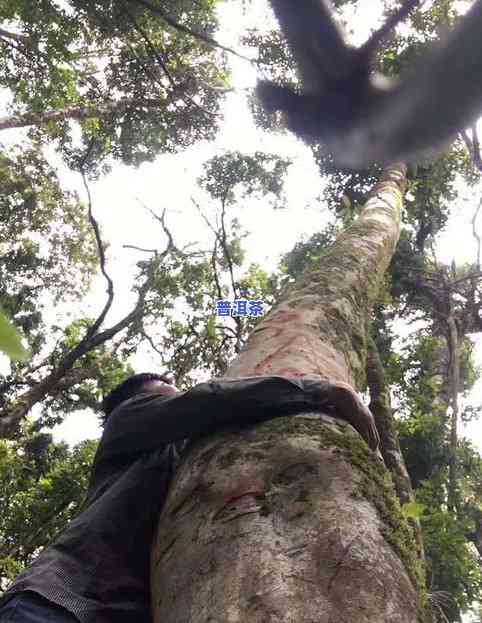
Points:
x=149, y=421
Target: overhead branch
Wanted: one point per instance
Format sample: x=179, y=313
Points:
x=475, y=275
x=133, y=246
x=14, y=36
x=157, y=55
x=147, y=337
x=473, y=146
x=157, y=10
x=75, y=112
x=170, y=246
x=230, y=330
x=12, y=415
x=474, y=231
x=215, y=248
x=223, y=240
x=100, y=250
x=162, y=220
x=154, y=50
x=380, y=35
x=214, y=265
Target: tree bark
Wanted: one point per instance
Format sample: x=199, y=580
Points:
x=296, y=520
x=320, y=326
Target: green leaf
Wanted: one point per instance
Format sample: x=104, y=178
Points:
x=412, y=509
x=10, y=340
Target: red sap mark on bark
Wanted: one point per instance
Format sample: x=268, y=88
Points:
x=243, y=504
x=289, y=372
x=300, y=346
x=263, y=366
x=283, y=318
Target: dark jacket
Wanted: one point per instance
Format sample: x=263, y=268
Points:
x=98, y=568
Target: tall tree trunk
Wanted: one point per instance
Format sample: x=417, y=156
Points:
x=454, y=384
x=296, y=520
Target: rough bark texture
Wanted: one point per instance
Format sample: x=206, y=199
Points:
x=296, y=521
x=282, y=524
x=320, y=327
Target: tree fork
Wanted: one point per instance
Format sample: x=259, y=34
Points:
x=296, y=520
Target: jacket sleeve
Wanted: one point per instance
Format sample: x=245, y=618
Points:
x=149, y=421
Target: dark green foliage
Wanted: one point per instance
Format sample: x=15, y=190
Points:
x=452, y=564
x=97, y=54
x=56, y=242
x=42, y=486
x=309, y=252
x=259, y=175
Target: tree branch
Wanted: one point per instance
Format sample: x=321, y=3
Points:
x=474, y=231
x=229, y=259
x=152, y=48
x=475, y=275
x=153, y=8
x=224, y=245
x=11, y=416
x=162, y=220
x=133, y=246
x=151, y=343
x=215, y=270
x=76, y=112
x=373, y=43
x=473, y=147
x=163, y=65
x=14, y=36
x=100, y=249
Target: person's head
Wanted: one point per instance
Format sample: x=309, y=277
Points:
x=146, y=382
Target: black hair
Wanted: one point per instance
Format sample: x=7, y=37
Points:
x=128, y=388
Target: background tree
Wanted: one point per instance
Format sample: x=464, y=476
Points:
x=138, y=83
x=42, y=485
